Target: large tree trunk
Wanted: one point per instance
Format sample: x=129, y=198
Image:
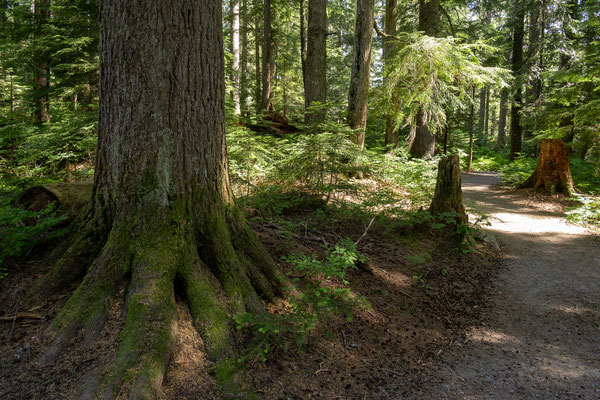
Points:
x=41, y=72
x=423, y=144
x=161, y=208
x=552, y=173
x=391, y=18
x=315, y=79
x=303, y=40
x=268, y=58
x=448, y=191
x=358, y=95
x=481, y=120
x=516, y=129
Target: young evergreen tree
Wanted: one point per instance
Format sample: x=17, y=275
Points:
x=161, y=211
x=41, y=68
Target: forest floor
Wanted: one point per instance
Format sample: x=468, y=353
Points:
x=522, y=322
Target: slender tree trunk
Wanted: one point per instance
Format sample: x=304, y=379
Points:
x=12, y=96
x=235, y=50
x=257, y=63
x=161, y=212
x=471, y=124
x=41, y=74
x=501, y=139
x=487, y=115
x=244, y=58
x=391, y=18
x=516, y=129
x=358, y=95
x=267, y=58
x=423, y=144
x=315, y=80
x=303, y=40
x=481, y=119
x=533, y=62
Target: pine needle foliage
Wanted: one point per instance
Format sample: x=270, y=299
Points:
x=433, y=75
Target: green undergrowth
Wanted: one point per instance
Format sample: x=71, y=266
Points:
x=322, y=293
x=22, y=230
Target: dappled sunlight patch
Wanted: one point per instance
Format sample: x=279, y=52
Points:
x=492, y=336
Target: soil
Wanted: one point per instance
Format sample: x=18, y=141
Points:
x=443, y=323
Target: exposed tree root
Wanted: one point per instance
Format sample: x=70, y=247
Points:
x=221, y=268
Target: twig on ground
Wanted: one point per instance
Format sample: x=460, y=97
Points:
x=365, y=232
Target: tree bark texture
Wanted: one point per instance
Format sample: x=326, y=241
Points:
x=516, y=129
x=161, y=208
x=315, y=79
x=235, y=50
x=486, y=124
x=303, y=39
x=552, y=174
x=391, y=18
x=358, y=95
x=448, y=191
x=423, y=144
x=41, y=72
x=268, y=57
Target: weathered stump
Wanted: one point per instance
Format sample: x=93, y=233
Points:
x=70, y=196
x=448, y=192
x=552, y=174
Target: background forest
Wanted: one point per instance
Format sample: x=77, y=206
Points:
x=321, y=92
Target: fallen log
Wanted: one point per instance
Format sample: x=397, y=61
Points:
x=70, y=196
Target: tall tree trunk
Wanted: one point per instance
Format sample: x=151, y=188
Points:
x=481, y=120
x=486, y=125
x=516, y=129
x=391, y=19
x=235, y=50
x=244, y=57
x=257, y=63
x=471, y=125
x=41, y=73
x=501, y=139
x=423, y=143
x=315, y=80
x=161, y=212
x=533, y=61
x=303, y=39
x=268, y=58
x=358, y=95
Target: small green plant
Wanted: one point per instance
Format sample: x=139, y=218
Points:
x=586, y=212
x=420, y=281
x=314, y=303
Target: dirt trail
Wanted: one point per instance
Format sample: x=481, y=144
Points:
x=541, y=338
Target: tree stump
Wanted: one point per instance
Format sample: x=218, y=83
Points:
x=552, y=174
x=448, y=192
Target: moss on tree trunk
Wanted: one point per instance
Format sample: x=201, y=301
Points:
x=161, y=208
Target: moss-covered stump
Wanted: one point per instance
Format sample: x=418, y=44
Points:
x=552, y=174
x=448, y=191
x=70, y=196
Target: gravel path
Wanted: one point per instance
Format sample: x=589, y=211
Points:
x=541, y=338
